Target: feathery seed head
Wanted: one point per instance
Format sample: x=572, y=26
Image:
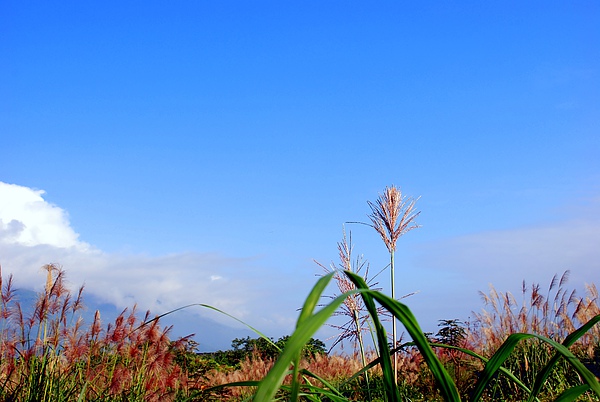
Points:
x=393, y=215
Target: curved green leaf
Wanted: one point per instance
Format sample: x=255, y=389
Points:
x=503, y=370
x=333, y=390
x=542, y=376
x=305, y=330
x=445, y=383
x=573, y=393
x=508, y=346
x=389, y=380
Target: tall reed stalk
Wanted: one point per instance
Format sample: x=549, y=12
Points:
x=392, y=215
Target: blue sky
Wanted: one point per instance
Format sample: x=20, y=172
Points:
x=181, y=141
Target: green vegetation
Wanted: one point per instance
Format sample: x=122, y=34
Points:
x=264, y=348
x=49, y=354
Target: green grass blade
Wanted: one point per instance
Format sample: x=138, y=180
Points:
x=312, y=301
x=503, y=370
x=233, y=384
x=494, y=364
x=256, y=331
x=317, y=394
x=389, y=381
x=508, y=346
x=269, y=385
x=310, y=324
x=307, y=310
x=586, y=375
x=569, y=340
x=81, y=397
x=573, y=393
x=445, y=383
x=361, y=372
x=330, y=387
x=221, y=386
x=402, y=312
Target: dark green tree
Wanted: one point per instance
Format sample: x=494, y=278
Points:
x=452, y=332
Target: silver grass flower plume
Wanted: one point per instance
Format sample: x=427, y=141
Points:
x=393, y=215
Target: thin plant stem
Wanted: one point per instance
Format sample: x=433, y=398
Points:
x=394, y=330
x=362, y=349
x=393, y=215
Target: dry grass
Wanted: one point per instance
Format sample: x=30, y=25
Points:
x=334, y=369
x=48, y=353
x=554, y=314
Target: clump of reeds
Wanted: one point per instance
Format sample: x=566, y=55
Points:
x=588, y=307
x=554, y=313
x=47, y=353
x=545, y=314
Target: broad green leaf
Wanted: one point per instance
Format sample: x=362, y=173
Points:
x=494, y=364
x=314, y=297
x=307, y=309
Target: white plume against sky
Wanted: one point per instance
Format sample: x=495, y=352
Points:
x=207, y=152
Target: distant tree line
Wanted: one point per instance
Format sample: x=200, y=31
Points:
x=242, y=348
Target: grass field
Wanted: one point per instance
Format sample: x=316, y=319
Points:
x=50, y=354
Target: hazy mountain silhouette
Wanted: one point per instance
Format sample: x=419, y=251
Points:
x=210, y=335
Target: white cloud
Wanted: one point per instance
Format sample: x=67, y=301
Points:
x=34, y=232
x=26, y=218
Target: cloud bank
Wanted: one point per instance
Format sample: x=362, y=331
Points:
x=34, y=232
